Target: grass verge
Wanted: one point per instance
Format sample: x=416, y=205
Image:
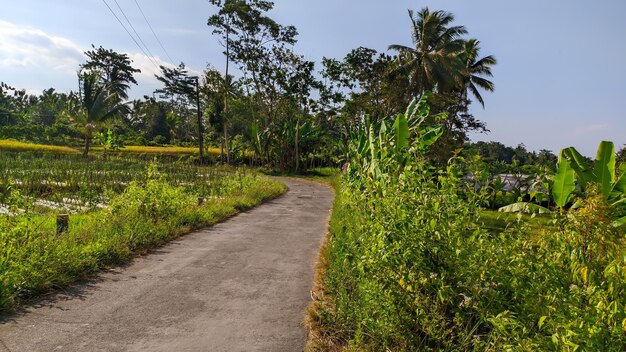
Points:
x=34, y=260
x=320, y=336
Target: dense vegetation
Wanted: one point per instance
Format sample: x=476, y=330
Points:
x=412, y=266
x=417, y=258
x=118, y=207
x=281, y=111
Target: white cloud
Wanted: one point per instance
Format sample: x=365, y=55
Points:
x=146, y=80
x=148, y=68
x=34, y=60
x=33, y=49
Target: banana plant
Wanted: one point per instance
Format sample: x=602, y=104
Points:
x=256, y=140
x=563, y=184
x=604, y=173
x=574, y=173
x=382, y=148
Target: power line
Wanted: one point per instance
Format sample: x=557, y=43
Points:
x=135, y=31
x=155, y=36
x=131, y=36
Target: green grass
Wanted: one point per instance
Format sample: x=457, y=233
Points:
x=496, y=222
x=413, y=268
x=147, y=213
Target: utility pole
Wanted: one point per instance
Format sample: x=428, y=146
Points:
x=226, y=91
x=200, y=129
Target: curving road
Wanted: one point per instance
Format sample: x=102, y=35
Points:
x=241, y=285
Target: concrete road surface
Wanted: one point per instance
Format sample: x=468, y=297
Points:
x=242, y=285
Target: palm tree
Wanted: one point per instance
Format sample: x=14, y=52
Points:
x=475, y=70
x=432, y=62
x=98, y=104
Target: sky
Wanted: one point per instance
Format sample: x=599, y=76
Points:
x=560, y=78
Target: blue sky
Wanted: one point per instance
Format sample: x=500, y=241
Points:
x=560, y=79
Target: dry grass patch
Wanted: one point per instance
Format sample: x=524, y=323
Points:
x=16, y=146
x=138, y=149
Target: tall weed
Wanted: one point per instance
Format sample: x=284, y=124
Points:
x=411, y=269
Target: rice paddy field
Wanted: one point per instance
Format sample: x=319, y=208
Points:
x=164, y=151
x=73, y=184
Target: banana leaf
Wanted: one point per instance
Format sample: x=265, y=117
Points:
x=401, y=132
x=563, y=182
x=604, y=167
x=579, y=164
x=524, y=207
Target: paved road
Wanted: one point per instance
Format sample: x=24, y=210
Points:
x=242, y=285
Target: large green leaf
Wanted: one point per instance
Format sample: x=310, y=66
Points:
x=431, y=135
x=579, y=164
x=382, y=140
x=372, y=142
x=524, y=207
x=620, y=185
x=418, y=114
x=563, y=182
x=604, y=166
x=411, y=109
x=401, y=132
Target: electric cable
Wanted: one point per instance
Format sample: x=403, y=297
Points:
x=131, y=36
x=154, y=33
x=135, y=31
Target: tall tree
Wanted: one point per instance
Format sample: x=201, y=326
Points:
x=179, y=83
x=113, y=69
x=367, y=83
x=475, y=70
x=247, y=34
x=98, y=104
x=432, y=62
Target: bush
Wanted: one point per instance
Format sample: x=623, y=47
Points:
x=410, y=267
x=33, y=259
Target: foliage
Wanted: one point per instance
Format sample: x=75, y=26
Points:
x=500, y=157
x=411, y=267
x=99, y=102
x=148, y=212
x=563, y=183
x=432, y=62
x=179, y=84
x=275, y=104
x=112, y=69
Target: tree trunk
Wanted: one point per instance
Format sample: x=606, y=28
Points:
x=226, y=90
x=200, y=129
x=87, y=145
x=296, y=140
x=226, y=143
x=88, y=136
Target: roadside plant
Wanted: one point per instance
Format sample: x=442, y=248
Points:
x=378, y=150
x=412, y=268
x=604, y=174
x=574, y=177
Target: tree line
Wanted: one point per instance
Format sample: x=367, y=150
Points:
x=269, y=100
